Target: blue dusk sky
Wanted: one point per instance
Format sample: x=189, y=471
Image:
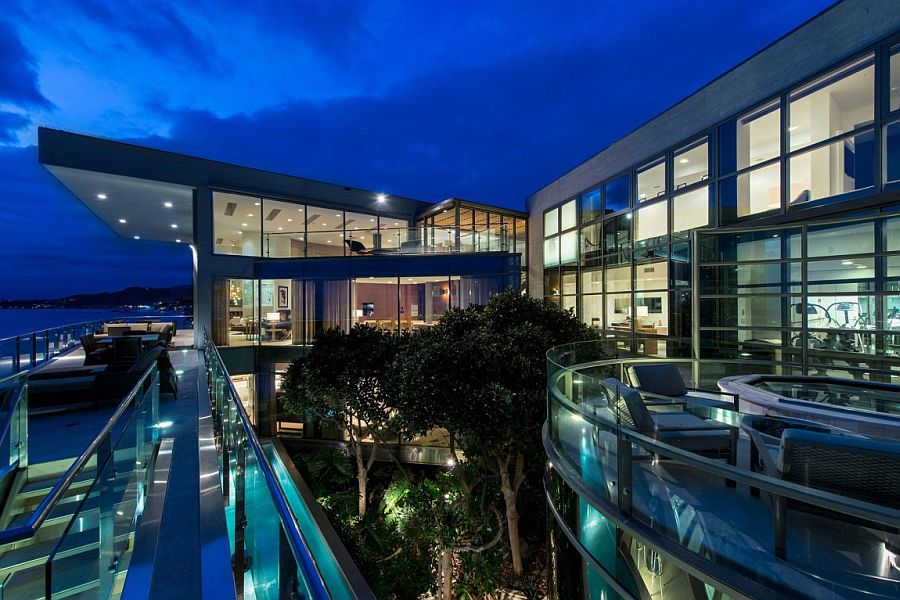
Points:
x=487, y=101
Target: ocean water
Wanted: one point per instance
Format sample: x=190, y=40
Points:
x=18, y=321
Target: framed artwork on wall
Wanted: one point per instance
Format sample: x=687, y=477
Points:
x=282, y=296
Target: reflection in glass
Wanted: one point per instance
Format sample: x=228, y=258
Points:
x=591, y=205
x=617, y=234
x=895, y=77
x=276, y=301
x=324, y=231
x=837, y=168
x=892, y=152
x=617, y=192
x=831, y=240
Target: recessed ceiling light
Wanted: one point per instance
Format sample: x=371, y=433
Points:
x=249, y=214
x=847, y=263
x=299, y=210
x=684, y=161
x=280, y=228
x=122, y=221
x=396, y=223
x=329, y=241
x=860, y=266
x=794, y=128
x=338, y=216
x=174, y=226
x=101, y=196
x=373, y=220
x=137, y=237
x=178, y=241
x=289, y=220
x=243, y=224
x=324, y=224
x=256, y=204
x=167, y=204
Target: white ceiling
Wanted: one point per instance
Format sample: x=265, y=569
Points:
x=141, y=203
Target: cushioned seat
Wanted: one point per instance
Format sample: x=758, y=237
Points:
x=664, y=379
x=680, y=429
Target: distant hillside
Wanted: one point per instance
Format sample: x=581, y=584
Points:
x=178, y=296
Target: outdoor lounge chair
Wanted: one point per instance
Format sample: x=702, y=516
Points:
x=851, y=466
x=664, y=379
x=93, y=355
x=681, y=429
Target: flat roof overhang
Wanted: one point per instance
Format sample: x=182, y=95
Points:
x=132, y=207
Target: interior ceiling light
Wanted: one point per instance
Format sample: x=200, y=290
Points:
x=290, y=220
x=137, y=237
x=101, y=196
x=167, y=204
x=243, y=224
x=684, y=161
x=249, y=214
x=174, y=226
x=256, y=204
x=123, y=221
x=177, y=241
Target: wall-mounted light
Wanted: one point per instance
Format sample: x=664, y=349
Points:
x=381, y=197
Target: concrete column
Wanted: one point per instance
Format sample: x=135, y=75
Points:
x=202, y=251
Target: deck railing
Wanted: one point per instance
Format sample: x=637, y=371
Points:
x=702, y=517
x=25, y=351
x=269, y=548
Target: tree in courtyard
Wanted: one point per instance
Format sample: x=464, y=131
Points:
x=342, y=381
x=481, y=374
x=436, y=514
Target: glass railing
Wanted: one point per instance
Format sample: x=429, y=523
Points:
x=272, y=557
x=673, y=509
x=107, y=514
x=26, y=351
x=386, y=242
x=14, y=423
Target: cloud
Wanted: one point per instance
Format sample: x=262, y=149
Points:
x=159, y=29
x=18, y=72
x=10, y=123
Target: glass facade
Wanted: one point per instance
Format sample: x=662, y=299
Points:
x=833, y=138
x=285, y=312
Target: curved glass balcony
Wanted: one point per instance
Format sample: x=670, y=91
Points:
x=670, y=499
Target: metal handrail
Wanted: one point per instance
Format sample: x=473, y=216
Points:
x=856, y=508
x=40, y=514
x=124, y=318
x=291, y=526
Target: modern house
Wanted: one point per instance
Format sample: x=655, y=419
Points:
x=752, y=228
x=279, y=258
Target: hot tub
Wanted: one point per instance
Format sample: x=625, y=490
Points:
x=868, y=408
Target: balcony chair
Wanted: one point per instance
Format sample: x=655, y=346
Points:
x=664, y=379
x=126, y=351
x=851, y=466
x=93, y=354
x=681, y=429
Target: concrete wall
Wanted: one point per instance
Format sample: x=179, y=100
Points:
x=846, y=28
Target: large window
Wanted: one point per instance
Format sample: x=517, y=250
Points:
x=892, y=152
x=750, y=139
x=617, y=234
x=591, y=205
x=324, y=231
x=567, y=215
x=283, y=233
x=279, y=322
x=551, y=222
x=234, y=312
x=651, y=221
x=651, y=182
x=832, y=105
x=895, y=78
x=691, y=164
x=617, y=193
x=236, y=224
x=840, y=167
x=690, y=210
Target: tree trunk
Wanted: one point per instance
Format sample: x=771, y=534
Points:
x=510, y=491
x=447, y=574
x=362, y=473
